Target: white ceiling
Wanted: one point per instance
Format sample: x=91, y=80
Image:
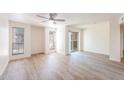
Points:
x=71, y=18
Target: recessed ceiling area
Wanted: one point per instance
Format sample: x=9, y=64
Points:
x=71, y=18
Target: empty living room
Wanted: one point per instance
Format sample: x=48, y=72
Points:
x=61, y=46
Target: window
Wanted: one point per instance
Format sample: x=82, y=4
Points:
x=17, y=40
x=52, y=39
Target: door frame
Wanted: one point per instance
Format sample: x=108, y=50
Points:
x=70, y=41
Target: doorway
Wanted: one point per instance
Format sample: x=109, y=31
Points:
x=73, y=41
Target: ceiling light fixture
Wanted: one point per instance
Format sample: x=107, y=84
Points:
x=52, y=23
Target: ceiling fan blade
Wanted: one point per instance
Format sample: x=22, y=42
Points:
x=42, y=16
x=62, y=20
x=45, y=21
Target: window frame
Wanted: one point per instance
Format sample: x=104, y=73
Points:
x=17, y=43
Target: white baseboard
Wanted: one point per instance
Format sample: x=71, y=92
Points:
x=3, y=68
x=115, y=60
x=37, y=52
x=3, y=63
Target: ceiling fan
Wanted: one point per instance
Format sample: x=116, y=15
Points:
x=52, y=17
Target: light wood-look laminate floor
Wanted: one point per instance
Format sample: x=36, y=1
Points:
x=77, y=66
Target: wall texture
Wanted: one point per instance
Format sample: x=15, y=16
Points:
x=96, y=38
x=4, y=43
x=115, y=40
x=60, y=39
x=37, y=39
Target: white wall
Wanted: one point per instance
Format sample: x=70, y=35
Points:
x=96, y=38
x=115, y=40
x=46, y=40
x=60, y=39
x=4, y=43
x=27, y=40
x=37, y=39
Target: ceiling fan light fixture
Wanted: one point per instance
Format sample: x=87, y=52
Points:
x=52, y=18
x=52, y=23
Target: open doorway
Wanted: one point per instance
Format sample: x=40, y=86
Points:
x=73, y=41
